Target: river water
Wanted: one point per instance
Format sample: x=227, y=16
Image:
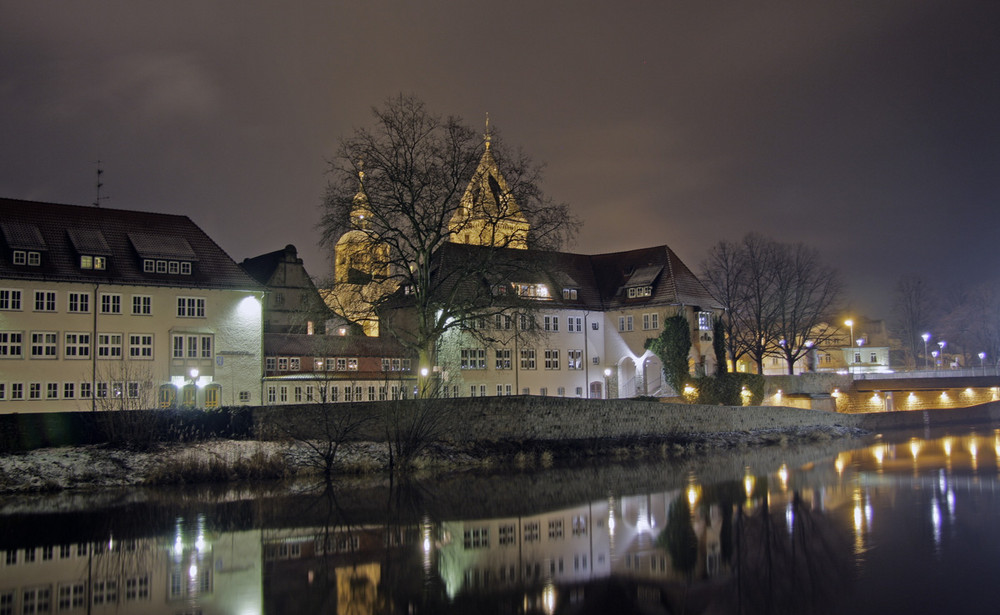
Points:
x=906, y=523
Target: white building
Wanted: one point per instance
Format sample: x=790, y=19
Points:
x=104, y=308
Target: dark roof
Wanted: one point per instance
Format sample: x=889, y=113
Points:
x=293, y=344
x=261, y=268
x=125, y=237
x=600, y=279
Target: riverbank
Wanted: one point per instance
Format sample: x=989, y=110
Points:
x=547, y=433
x=217, y=461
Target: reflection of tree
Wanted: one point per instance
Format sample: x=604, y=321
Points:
x=679, y=538
x=788, y=561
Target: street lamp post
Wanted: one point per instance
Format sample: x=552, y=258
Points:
x=941, y=345
x=607, y=380
x=982, y=361
x=935, y=353
x=925, y=336
x=861, y=342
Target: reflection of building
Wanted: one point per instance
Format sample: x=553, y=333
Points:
x=193, y=571
x=106, y=308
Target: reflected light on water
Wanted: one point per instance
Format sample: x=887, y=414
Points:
x=878, y=451
x=748, y=482
x=936, y=521
x=783, y=476
x=914, y=447
x=947, y=444
x=549, y=598
x=839, y=464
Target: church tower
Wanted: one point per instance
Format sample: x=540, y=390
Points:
x=488, y=214
x=360, y=266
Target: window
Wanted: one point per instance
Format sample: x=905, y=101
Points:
x=503, y=322
x=857, y=357
x=574, y=324
x=371, y=393
x=386, y=364
x=503, y=358
x=651, y=321
x=635, y=292
x=11, y=344
x=45, y=301
x=341, y=364
x=79, y=303
x=85, y=390
x=555, y=529
x=625, y=323
x=35, y=390
x=282, y=364
x=704, y=321
x=551, y=323
x=531, y=531
x=551, y=358
x=508, y=535
x=161, y=266
x=272, y=395
x=198, y=346
x=874, y=358
x=10, y=299
x=132, y=390
x=352, y=365
x=191, y=307
x=579, y=525
x=77, y=346
x=36, y=599
x=20, y=257
x=149, y=266
x=569, y=294
x=173, y=267
x=111, y=304
x=526, y=322
x=574, y=359
x=109, y=345
x=142, y=305
x=140, y=346
x=72, y=596
x=473, y=358
x=527, y=358
x=69, y=390
x=137, y=588
x=43, y=344
x=185, y=268
x=244, y=397
x=212, y=396
x=532, y=291
x=477, y=538
x=294, y=363
x=270, y=364
x=51, y=391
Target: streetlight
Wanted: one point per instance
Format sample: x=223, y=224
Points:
x=942, y=344
x=850, y=323
x=935, y=353
x=982, y=361
x=926, y=337
x=607, y=379
x=861, y=342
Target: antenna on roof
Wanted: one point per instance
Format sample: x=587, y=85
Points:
x=100, y=172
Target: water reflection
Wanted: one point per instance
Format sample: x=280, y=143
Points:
x=777, y=531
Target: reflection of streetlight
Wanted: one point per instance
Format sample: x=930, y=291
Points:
x=935, y=353
x=607, y=379
x=926, y=337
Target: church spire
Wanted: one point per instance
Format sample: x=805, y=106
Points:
x=360, y=212
x=487, y=136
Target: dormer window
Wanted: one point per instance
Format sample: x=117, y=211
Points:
x=636, y=292
x=569, y=294
x=150, y=265
x=88, y=261
x=532, y=291
x=24, y=257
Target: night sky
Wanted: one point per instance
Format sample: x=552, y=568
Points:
x=870, y=130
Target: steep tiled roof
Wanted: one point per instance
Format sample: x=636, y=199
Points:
x=331, y=345
x=601, y=280
x=123, y=236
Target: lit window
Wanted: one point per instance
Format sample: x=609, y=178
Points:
x=704, y=321
x=100, y=262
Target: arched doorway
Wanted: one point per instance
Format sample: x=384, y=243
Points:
x=652, y=374
x=626, y=378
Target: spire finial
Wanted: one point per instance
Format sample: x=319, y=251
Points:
x=487, y=135
x=361, y=171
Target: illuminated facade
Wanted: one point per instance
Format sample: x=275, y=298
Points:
x=587, y=328
x=115, y=309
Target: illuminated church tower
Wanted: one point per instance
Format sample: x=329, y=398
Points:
x=361, y=267
x=488, y=214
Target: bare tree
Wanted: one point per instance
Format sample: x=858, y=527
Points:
x=778, y=297
x=912, y=314
x=415, y=169
x=807, y=294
